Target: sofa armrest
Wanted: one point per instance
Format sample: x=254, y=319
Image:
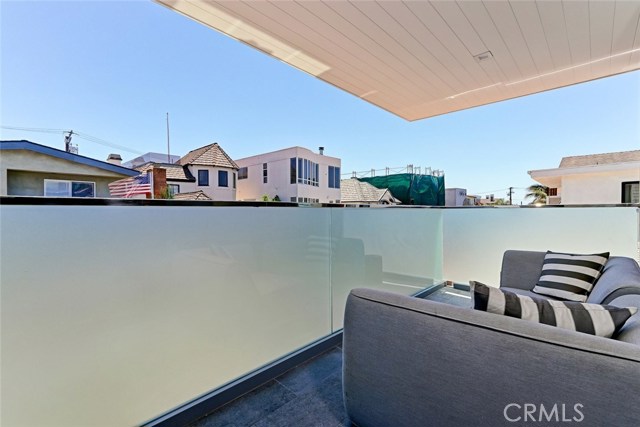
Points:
x=414, y=362
x=521, y=269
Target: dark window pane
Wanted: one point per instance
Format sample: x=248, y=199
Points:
x=203, y=178
x=293, y=172
x=82, y=189
x=223, y=179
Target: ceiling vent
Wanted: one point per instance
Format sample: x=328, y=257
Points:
x=484, y=56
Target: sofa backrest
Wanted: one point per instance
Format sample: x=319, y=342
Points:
x=521, y=269
x=621, y=276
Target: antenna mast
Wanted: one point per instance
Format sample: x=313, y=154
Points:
x=168, y=148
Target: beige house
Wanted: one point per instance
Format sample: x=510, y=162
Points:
x=207, y=169
x=607, y=178
x=30, y=169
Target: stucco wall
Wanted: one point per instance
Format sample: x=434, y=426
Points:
x=596, y=188
x=279, y=178
x=22, y=173
x=212, y=190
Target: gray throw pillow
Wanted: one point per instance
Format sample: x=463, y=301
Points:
x=601, y=320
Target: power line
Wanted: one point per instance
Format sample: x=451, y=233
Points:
x=82, y=135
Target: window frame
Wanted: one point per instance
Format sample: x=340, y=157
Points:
x=623, y=193
x=203, y=172
x=243, y=173
x=173, y=189
x=69, y=184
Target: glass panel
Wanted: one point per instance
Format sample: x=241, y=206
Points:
x=475, y=239
x=179, y=313
x=336, y=179
x=399, y=250
x=293, y=172
x=57, y=188
x=331, y=177
x=82, y=189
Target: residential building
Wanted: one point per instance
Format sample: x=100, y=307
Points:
x=214, y=171
x=151, y=157
x=455, y=197
x=293, y=174
x=606, y=178
x=179, y=178
x=207, y=169
x=30, y=169
x=354, y=191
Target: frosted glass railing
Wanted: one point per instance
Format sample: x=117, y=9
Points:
x=476, y=238
x=113, y=315
x=398, y=250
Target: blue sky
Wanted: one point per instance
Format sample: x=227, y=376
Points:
x=114, y=69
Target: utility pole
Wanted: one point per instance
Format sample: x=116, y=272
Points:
x=510, y=194
x=67, y=141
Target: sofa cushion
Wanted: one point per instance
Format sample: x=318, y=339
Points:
x=621, y=276
x=570, y=276
x=630, y=332
x=594, y=319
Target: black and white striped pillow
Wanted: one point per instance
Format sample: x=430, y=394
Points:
x=594, y=319
x=569, y=276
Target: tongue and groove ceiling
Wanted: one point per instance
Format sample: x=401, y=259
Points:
x=419, y=59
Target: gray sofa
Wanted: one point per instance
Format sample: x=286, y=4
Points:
x=415, y=362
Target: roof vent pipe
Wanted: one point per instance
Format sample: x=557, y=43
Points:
x=321, y=150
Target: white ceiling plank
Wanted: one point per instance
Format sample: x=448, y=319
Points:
x=625, y=25
x=416, y=58
x=367, y=47
x=601, y=35
x=382, y=42
x=528, y=17
x=510, y=54
x=358, y=79
x=576, y=15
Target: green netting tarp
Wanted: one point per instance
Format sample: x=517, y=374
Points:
x=412, y=189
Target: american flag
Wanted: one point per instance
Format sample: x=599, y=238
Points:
x=128, y=187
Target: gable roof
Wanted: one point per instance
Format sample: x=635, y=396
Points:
x=64, y=155
x=193, y=195
x=353, y=190
x=600, y=159
x=174, y=172
x=209, y=155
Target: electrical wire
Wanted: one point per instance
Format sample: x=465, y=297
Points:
x=81, y=135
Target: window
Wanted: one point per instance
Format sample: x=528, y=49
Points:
x=293, y=199
x=60, y=188
x=223, y=179
x=264, y=173
x=307, y=172
x=173, y=189
x=293, y=170
x=552, y=192
x=234, y=180
x=631, y=192
x=334, y=177
x=243, y=173
x=203, y=178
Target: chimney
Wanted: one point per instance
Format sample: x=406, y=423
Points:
x=159, y=176
x=114, y=159
x=321, y=151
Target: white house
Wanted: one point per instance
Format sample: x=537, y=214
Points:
x=293, y=174
x=607, y=178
